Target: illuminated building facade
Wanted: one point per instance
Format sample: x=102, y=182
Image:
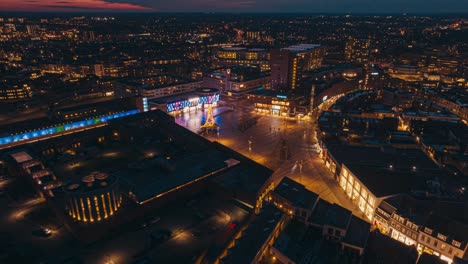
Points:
x=278, y=104
x=10, y=91
x=358, y=50
x=55, y=129
x=407, y=72
x=420, y=223
x=288, y=64
x=187, y=102
x=95, y=198
x=358, y=193
x=239, y=56
x=236, y=81
x=154, y=86
x=191, y=103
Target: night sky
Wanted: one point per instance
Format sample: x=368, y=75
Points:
x=309, y=6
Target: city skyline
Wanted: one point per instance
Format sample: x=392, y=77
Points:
x=241, y=6
x=139, y=132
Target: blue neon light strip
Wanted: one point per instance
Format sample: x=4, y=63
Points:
x=61, y=128
x=179, y=105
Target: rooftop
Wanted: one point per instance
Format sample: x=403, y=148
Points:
x=446, y=217
x=253, y=238
x=21, y=156
x=296, y=193
x=385, y=250
x=388, y=171
x=302, y=47
x=329, y=214
x=298, y=242
x=357, y=233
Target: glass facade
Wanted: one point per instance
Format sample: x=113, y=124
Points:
x=357, y=193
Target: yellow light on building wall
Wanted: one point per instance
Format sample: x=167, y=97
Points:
x=77, y=208
x=83, y=210
x=96, y=204
x=89, y=209
x=111, y=212
x=104, y=206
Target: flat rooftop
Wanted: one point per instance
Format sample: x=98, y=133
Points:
x=299, y=242
x=159, y=175
x=388, y=171
x=302, y=47
x=357, y=233
x=326, y=213
x=296, y=193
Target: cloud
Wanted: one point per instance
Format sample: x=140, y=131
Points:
x=281, y=6
x=69, y=7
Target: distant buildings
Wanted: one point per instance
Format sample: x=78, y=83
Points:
x=240, y=56
x=288, y=64
x=393, y=171
x=236, y=81
x=358, y=50
x=14, y=90
x=154, y=86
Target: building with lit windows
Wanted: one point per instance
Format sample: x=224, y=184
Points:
x=369, y=175
x=357, y=50
x=14, y=90
x=235, y=82
x=241, y=56
x=275, y=103
x=95, y=197
x=433, y=227
x=66, y=120
x=294, y=226
x=407, y=72
x=288, y=64
x=154, y=86
x=294, y=199
x=123, y=169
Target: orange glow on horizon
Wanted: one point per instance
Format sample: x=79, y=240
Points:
x=72, y=5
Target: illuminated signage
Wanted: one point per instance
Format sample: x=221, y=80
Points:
x=145, y=104
x=374, y=73
x=282, y=96
x=65, y=127
x=275, y=107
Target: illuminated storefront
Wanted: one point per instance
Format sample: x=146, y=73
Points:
x=270, y=103
x=357, y=193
